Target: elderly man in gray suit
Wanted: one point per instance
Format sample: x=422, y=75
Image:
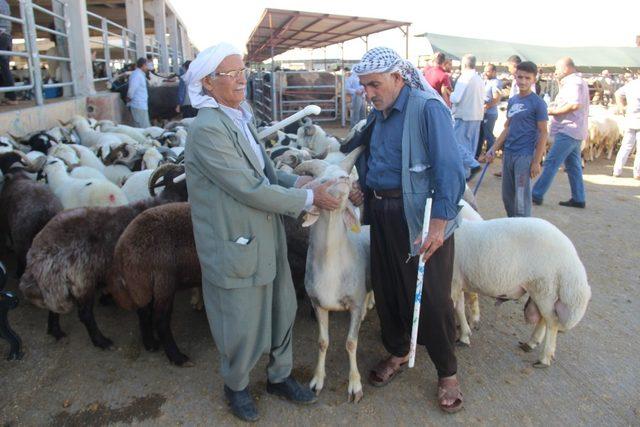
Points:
x=237, y=199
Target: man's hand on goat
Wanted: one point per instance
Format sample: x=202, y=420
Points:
x=356, y=196
x=303, y=180
x=434, y=239
x=322, y=198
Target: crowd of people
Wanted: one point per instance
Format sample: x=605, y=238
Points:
x=532, y=118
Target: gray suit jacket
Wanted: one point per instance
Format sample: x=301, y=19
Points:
x=232, y=197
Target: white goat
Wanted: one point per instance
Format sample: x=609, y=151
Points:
x=337, y=266
x=74, y=192
x=507, y=257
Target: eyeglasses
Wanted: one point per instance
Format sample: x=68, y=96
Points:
x=234, y=74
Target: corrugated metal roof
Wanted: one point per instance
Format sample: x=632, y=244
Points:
x=289, y=29
x=498, y=52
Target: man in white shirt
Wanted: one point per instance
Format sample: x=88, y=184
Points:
x=467, y=101
x=138, y=96
x=356, y=90
x=628, y=97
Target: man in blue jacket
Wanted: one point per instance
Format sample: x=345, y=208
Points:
x=411, y=154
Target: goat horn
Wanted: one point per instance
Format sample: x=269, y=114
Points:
x=157, y=177
x=347, y=163
x=315, y=167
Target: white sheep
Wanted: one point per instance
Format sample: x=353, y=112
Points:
x=117, y=174
x=507, y=257
x=86, y=172
x=92, y=138
x=151, y=158
x=136, y=185
x=74, y=192
x=87, y=157
x=337, y=268
x=316, y=139
x=603, y=135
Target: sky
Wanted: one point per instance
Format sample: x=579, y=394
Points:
x=542, y=22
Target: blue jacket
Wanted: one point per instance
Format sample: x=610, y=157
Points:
x=431, y=164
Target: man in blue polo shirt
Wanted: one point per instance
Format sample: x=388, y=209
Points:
x=524, y=138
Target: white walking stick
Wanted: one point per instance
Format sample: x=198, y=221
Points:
x=306, y=111
x=418, y=299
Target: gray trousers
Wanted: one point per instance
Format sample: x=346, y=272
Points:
x=248, y=322
x=516, y=184
x=140, y=117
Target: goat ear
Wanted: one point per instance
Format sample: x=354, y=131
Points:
x=351, y=219
x=311, y=217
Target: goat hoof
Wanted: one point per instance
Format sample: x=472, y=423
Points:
x=58, y=335
x=355, y=397
x=540, y=365
x=462, y=344
x=315, y=386
x=524, y=346
x=476, y=326
x=107, y=300
x=181, y=360
x=152, y=345
x=104, y=343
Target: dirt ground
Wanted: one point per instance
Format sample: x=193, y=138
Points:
x=594, y=381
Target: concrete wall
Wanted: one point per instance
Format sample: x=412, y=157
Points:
x=105, y=105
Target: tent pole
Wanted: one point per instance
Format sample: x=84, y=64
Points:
x=343, y=101
x=406, y=39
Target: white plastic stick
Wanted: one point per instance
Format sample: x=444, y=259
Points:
x=418, y=299
x=306, y=111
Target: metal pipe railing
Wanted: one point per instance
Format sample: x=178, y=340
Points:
x=30, y=27
x=107, y=31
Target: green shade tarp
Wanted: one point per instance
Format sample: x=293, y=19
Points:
x=498, y=52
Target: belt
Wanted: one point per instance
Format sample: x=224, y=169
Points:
x=387, y=194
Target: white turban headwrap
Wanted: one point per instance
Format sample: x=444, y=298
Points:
x=385, y=60
x=206, y=63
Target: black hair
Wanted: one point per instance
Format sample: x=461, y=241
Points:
x=528, y=67
x=439, y=58
x=140, y=62
x=514, y=59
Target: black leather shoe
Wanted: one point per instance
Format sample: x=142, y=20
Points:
x=536, y=202
x=241, y=404
x=573, y=204
x=291, y=390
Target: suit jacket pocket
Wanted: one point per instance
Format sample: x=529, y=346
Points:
x=240, y=261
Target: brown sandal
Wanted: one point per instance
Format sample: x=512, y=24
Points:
x=449, y=388
x=384, y=372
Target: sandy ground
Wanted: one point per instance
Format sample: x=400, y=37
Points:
x=595, y=380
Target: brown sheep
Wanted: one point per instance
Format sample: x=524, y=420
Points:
x=25, y=205
x=155, y=257
x=72, y=255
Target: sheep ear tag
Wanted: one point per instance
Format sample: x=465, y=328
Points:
x=311, y=217
x=350, y=218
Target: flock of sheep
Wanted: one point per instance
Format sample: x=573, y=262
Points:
x=94, y=209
